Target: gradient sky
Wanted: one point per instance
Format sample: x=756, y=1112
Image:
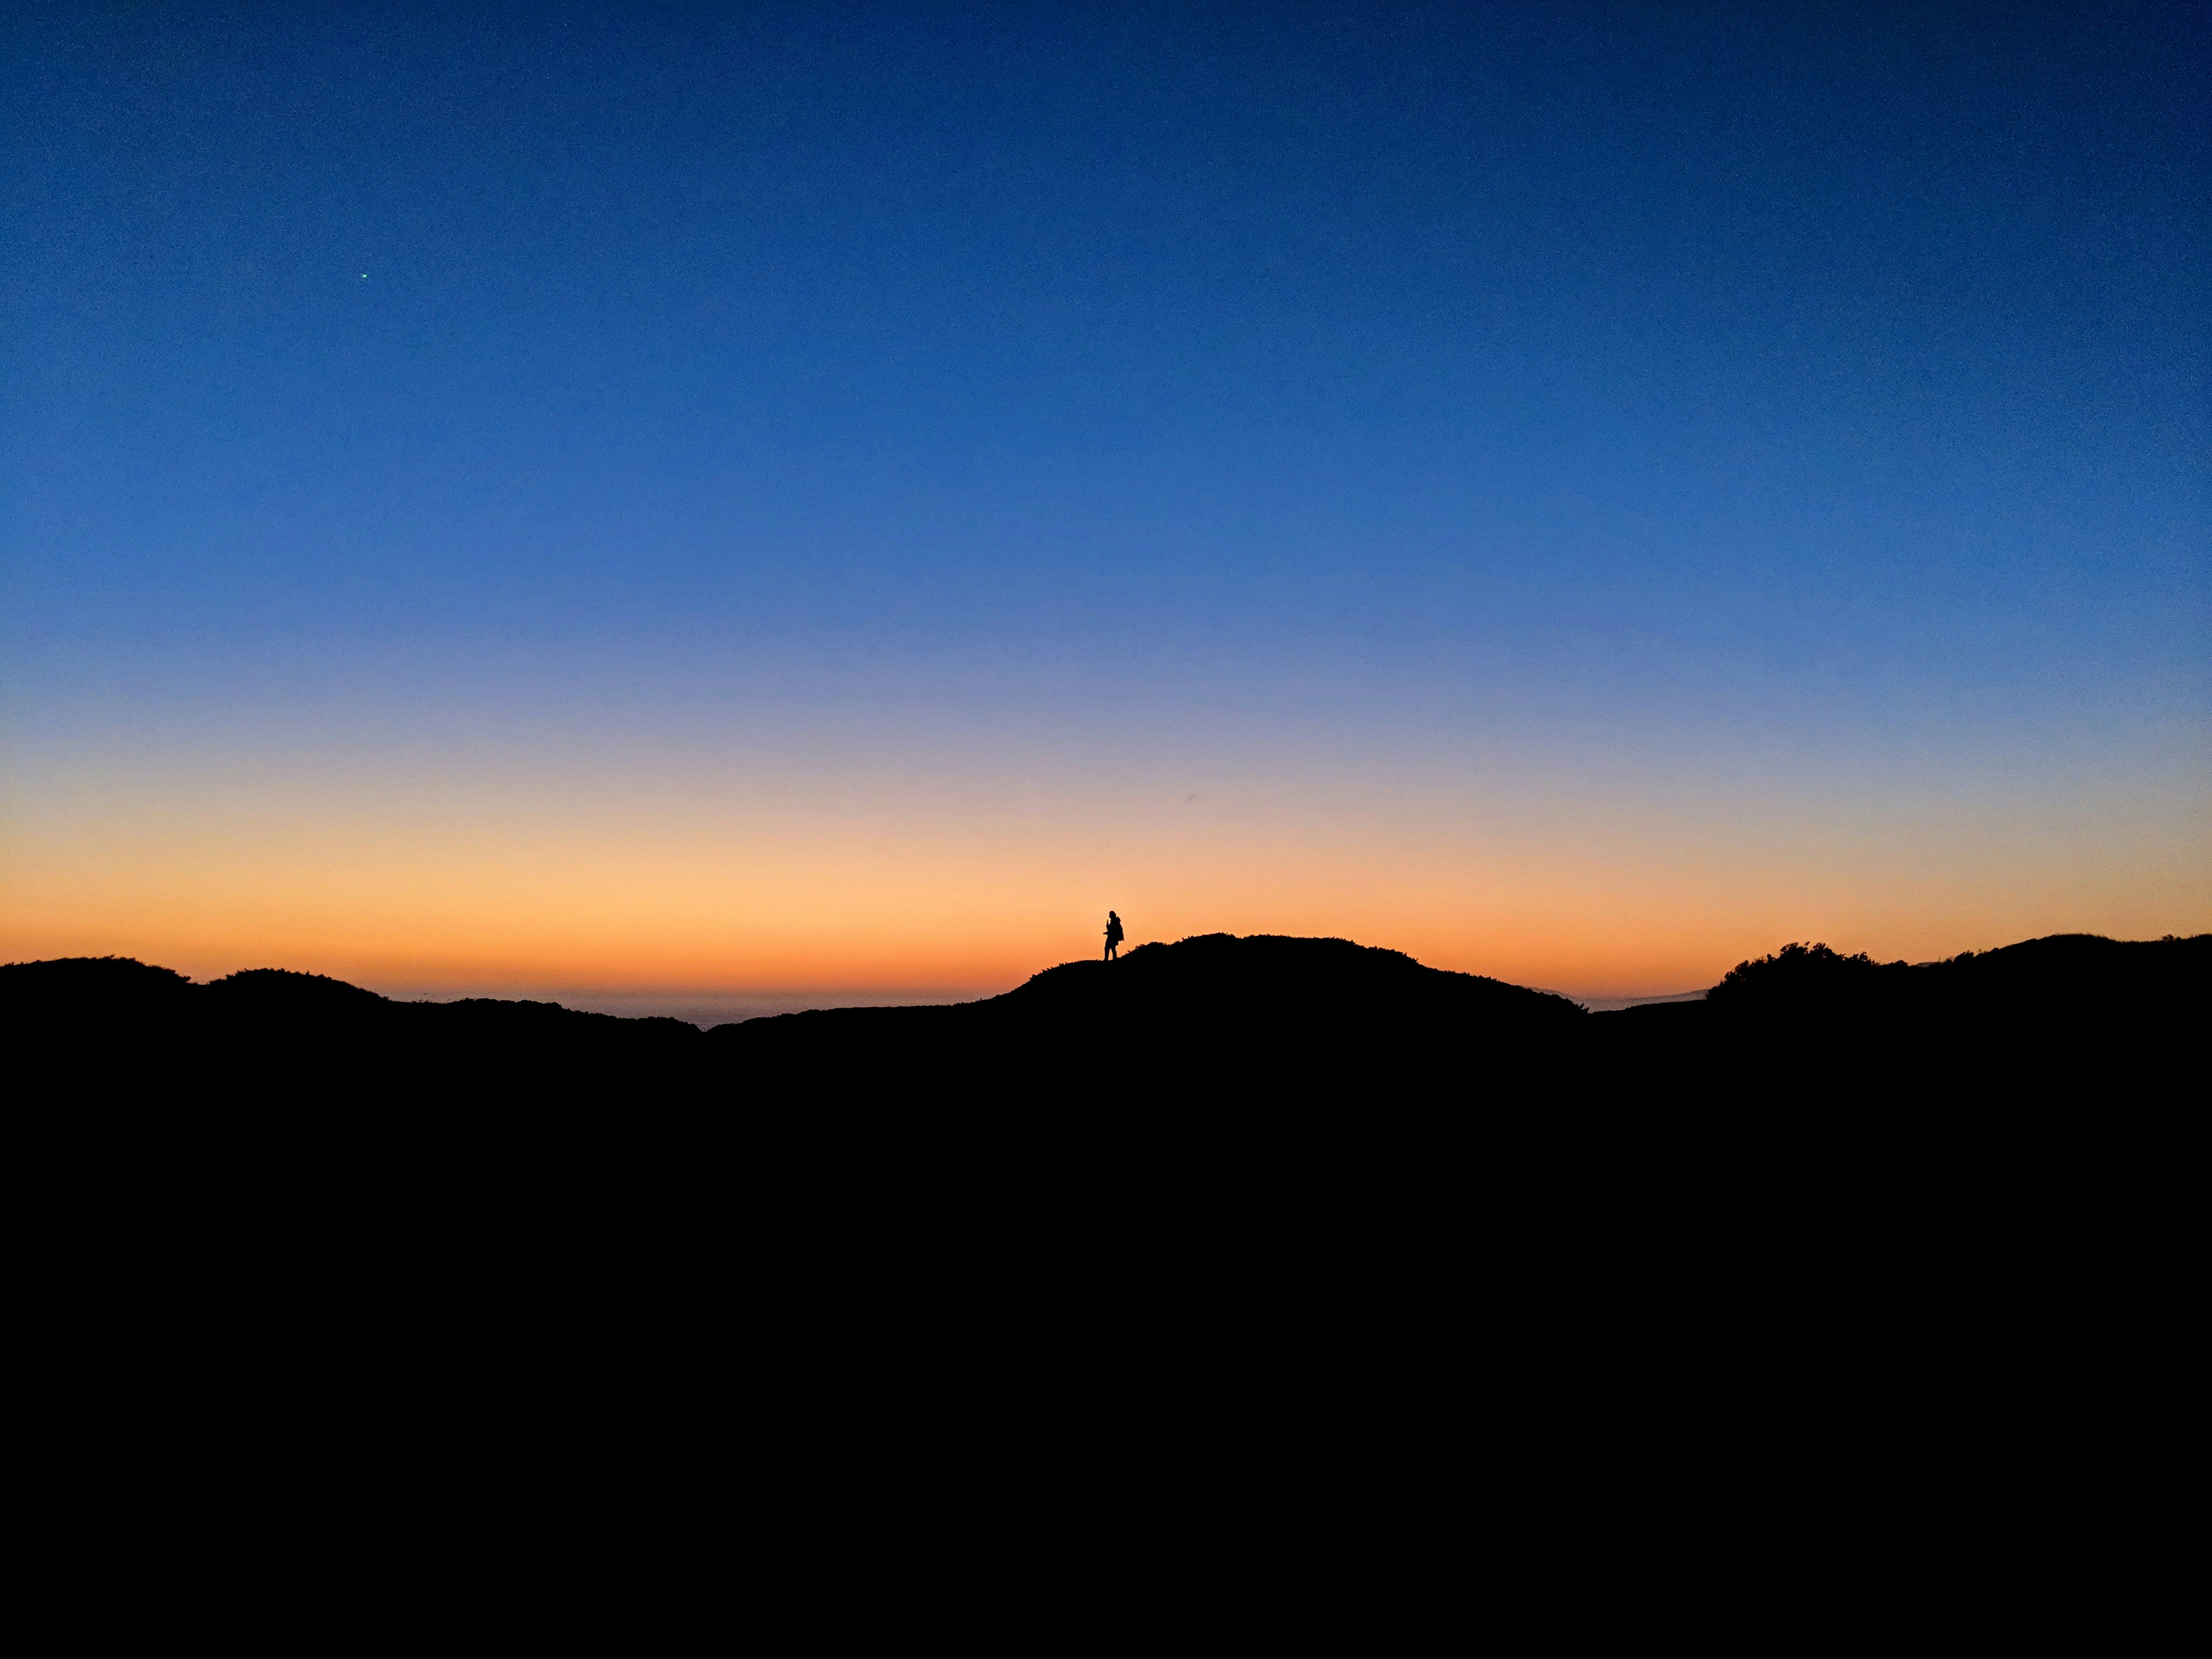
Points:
x=810, y=502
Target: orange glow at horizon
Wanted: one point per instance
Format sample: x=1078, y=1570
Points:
x=704, y=512
x=932, y=898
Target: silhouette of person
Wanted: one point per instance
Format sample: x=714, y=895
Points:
x=1113, y=936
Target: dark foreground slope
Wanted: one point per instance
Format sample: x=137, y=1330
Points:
x=1248, y=1021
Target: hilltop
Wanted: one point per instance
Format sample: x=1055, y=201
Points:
x=1212, y=1011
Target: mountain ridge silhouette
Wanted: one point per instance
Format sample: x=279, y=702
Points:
x=1268, y=1016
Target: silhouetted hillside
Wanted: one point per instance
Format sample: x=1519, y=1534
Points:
x=78, y=988
x=270, y=1033
x=1251, y=1020
x=1215, y=1011
x=2062, y=974
x=2069, y=1012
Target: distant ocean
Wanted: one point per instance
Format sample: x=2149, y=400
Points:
x=1609, y=1004
x=705, y=1008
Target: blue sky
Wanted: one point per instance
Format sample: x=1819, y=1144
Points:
x=1738, y=405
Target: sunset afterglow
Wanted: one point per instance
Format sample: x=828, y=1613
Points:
x=699, y=507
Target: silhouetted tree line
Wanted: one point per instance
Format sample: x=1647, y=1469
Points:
x=1799, y=973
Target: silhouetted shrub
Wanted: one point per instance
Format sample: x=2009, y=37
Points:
x=89, y=977
x=1804, y=975
x=89, y=992
x=281, y=989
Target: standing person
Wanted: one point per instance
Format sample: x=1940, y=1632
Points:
x=1113, y=935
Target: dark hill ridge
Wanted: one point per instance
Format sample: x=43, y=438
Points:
x=2036, y=979
x=1215, y=1016
x=1269, y=975
x=1214, y=1012
x=1216, y=980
